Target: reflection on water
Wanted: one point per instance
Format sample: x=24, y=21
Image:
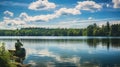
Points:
x=86, y=52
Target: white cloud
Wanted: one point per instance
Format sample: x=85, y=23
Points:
x=8, y=13
x=72, y=11
x=90, y=18
x=9, y=21
x=62, y=24
x=27, y=18
x=41, y=5
x=88, y=5
x=13, y=22
x=56, y=14
x=44, y=4
x=42, y=17
x=107, y=5
x=23, y=16
x=38, y=5
x=116, y=3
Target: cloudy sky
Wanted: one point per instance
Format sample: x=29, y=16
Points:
x=57, y=13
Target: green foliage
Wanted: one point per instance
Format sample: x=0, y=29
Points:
x=105, y=30
x=5, y=58
x=91, y=30
x=41, y=32
x=115, y=30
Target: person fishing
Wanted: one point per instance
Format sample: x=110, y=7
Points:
x=18, y=45
x=20, y=52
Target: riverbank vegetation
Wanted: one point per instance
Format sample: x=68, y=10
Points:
x=5, y=58
x=91, y=30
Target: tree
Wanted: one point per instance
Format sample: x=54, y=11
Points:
x=107, y=29
x=90, y=30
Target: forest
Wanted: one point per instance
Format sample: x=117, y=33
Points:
x=91, y=30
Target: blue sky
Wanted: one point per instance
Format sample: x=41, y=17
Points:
x=58, y=13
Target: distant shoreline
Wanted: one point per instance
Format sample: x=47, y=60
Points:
x=91, y=30
x=58, y=37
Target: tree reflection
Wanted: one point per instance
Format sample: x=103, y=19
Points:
x=114, y=43
x=93, y=42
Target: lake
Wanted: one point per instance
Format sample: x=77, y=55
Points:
x=53, y=51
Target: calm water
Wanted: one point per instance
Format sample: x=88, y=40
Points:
x=69, y=51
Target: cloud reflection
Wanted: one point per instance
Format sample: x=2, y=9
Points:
x=57, y=58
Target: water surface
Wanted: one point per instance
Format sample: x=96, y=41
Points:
x=69, y=51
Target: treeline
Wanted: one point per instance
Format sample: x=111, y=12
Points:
x=91, y=30
x=104, y=30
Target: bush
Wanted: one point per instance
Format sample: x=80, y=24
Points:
x=5, y=57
